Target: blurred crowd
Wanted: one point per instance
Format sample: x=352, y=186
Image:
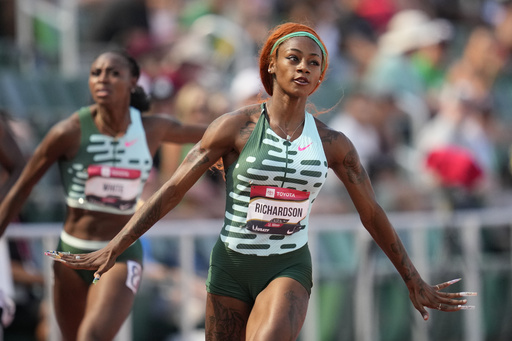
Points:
x=422, y=88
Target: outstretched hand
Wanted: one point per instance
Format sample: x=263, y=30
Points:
x=423, y=295
x=100, y=260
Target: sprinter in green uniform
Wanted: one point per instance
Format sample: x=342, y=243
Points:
x=104, y=152
x=275, y=157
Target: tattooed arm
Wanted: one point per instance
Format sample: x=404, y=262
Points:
x=223, y=139
x=344, y=161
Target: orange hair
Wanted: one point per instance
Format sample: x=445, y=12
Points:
x=265, y=56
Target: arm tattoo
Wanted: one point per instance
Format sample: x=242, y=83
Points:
x=355, y=171
x=147, y=219
x=196, y=156
x=399, y=249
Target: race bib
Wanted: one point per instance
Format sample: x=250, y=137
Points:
x=276, y=210
x=110, y=186
x=133, y=276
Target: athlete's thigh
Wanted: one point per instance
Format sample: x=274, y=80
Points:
x=225, y=318
x=69, y=299
x=110, y=301
x=279, y=311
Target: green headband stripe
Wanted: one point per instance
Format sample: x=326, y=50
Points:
x=302, y=34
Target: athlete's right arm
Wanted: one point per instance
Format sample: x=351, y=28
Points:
x=222, y=139
x=60, y=141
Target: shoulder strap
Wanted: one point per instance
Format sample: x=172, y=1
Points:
x=87, y=125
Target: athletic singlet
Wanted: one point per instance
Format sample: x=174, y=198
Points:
x=270, y=190
x=107, y=174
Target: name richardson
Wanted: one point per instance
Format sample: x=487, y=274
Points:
x=278, y=210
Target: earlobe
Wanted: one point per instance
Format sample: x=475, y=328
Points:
x=271, y=67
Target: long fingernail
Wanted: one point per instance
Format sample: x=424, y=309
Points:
x=454, y=281
x=54, y=254
x=466, y=307
x=468, y=293
x=60, y=254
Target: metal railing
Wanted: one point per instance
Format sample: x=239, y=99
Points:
x=467, y=225
x=61, y=15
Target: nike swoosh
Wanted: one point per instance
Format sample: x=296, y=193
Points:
x=304, y=148
x=130, y=143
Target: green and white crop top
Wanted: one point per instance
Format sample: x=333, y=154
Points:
x=270, y=190
x=107, y=174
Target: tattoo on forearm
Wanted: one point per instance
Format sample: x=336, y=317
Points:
x=399, y=249
x=225, y=324
x=355, y=171
x=197, y=157
x=147, y=219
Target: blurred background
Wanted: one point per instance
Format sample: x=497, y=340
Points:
x=422, y=88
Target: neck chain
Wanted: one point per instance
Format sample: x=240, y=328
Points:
x=289, y=137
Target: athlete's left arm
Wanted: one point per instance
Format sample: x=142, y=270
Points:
x=343, y=159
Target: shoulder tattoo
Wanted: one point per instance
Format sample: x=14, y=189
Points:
x=247, y=129
x=330, y=136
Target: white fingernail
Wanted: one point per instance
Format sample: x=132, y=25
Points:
x=454, y=281
x=466, y=307
x=468, y=293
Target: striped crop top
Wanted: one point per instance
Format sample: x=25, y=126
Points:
x=270, y=190
x=107, y=174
